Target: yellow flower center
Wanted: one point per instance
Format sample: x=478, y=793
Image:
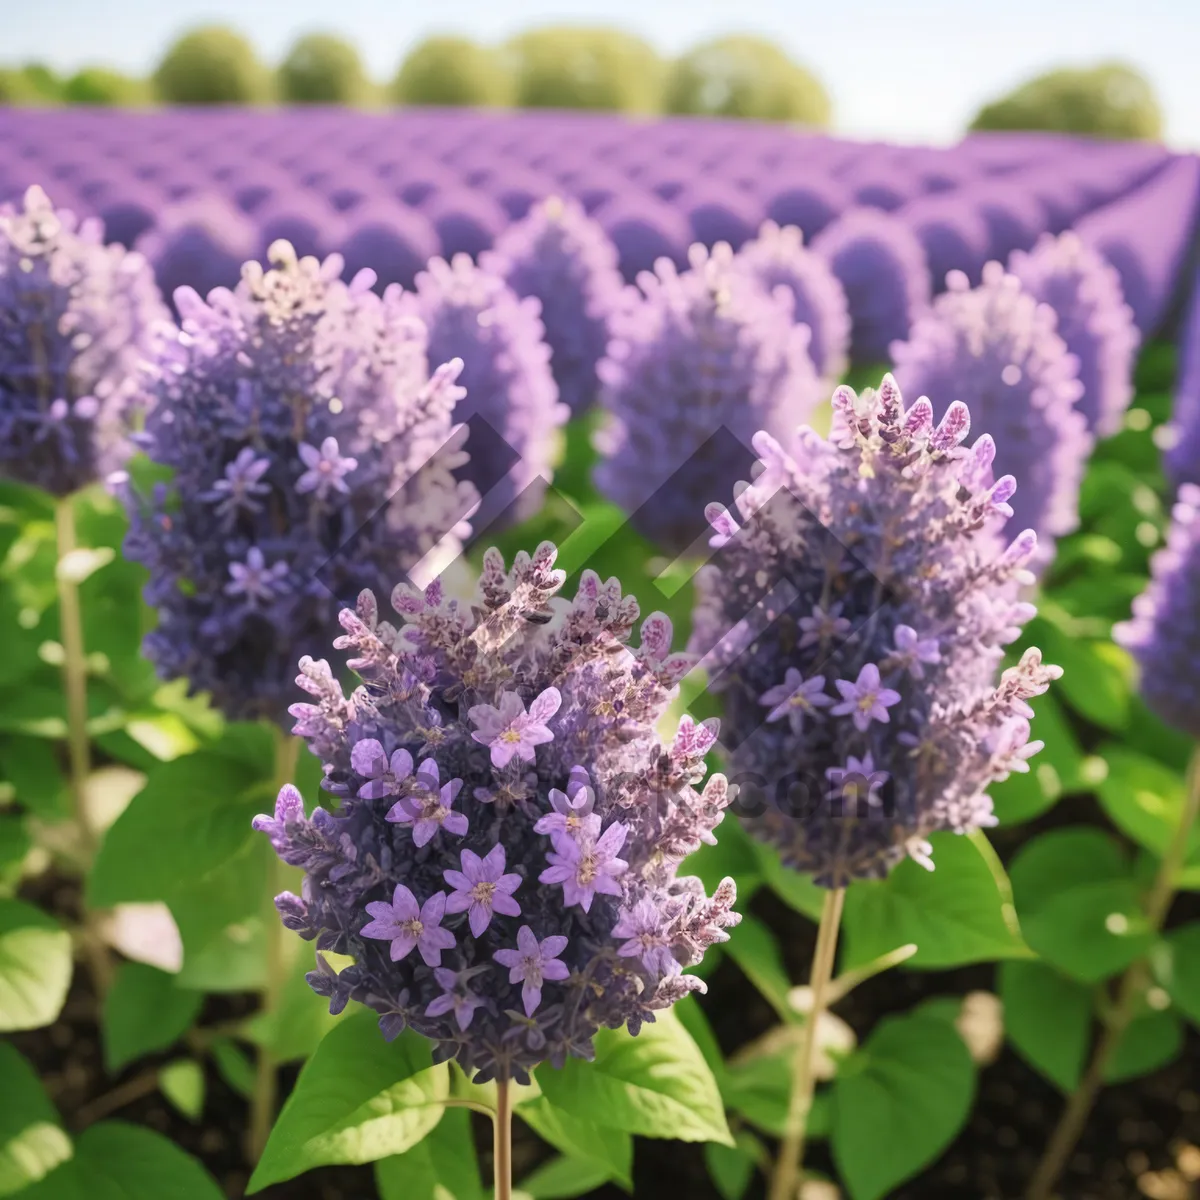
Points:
x=511, y=735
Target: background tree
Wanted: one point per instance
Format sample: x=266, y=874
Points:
x=745, y=77
x=566, y=67
x=451, y=71
x=322, y=69
x=212, y=65
x=33, y=84
x=1109, y=100
x=100, y=86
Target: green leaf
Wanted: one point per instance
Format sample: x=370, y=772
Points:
x=32, y=766
x=358, y=1099
x=1054, y=771
x=610, y=1150
x=35, y=966
x=692, y=1017
x=1048, y=1019
x=1144, y=799
x=15, y=842
x=1097, y=679
x=656, y=1084
x=759, y=1090
x=1183, y=981
x=1063, y=859
x=144, y=1012
x=731, y=1167
x=757, y=953
x=562, y=1178
x=115, y=1161
x=906, y=1097
x=233, y=1066
x=954, y=914
x=795, y=889
x=735, y=855
x=300, y=1021
x=1152, y=1040
x=32, y=1140
x=441, y=1166
x=182, y=1082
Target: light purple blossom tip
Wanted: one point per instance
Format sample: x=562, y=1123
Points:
x=866, y=699
x=482, y=888
x=383, y=776
x=406, y=924
x=511, y=731
x=586, y=863
x=289, y=806
x=532, y=963
x=327, y=468
x=645, y=929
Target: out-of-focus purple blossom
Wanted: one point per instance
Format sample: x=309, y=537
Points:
x=76, y=318
x=568, y=862
x=702, y=359
x=304, y=433
x=1182, y=456
x=900, y=522
x=475, y=316
x=564, y=258
x=1164, y=632
x=1093, y=320
x=994, y=348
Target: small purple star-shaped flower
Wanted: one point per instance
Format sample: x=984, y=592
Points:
x=645, y=927
x=857, y=780
x=795, y=698
x=383, y=776
x=570, y=809
x=242, y=482
x=289, y=807
x=456, y=998
x=587, y=864
x=430, y=808
x=509, y=730
x=481, y=888
x=823, y=626
x=326, y=468
x=406, y=924
x=912, y=651
x=254, y=579
x=866, y=699
x=532, y=963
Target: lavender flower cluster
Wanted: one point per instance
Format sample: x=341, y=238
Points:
x=502, y=862
x=307, y=445
x=1164, y=632
x=76, y=317
x=854, y=617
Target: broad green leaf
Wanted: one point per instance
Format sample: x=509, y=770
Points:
x=358, y=1099
x=190, y=819
x=902, y=1102
x=732, y=1167
x=15, y=843
x=1152, y=1040
x=610, y=1150
x=759, y=1090
x=1048, y=1019
x=1144, y=799
x=1091, y=931
x=757, y=953
x=35, y=966
x=954, y=914
x=115, y=1161
x=795, y=889
x=441, y=1166
x=692, y=1017
x=32, y=1140
x=1183, y=982
x=562, y=1178
x=656, y=1084
x=144, y=1012
x=234, y=1067
x=301, y=1020
x=182, y=1082
x=1097, y=679
x=1063, y=859
x=32, y=765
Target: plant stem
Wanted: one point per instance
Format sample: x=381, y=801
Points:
x=786, y=1179
x=70, y=619
x=502, y=1142
x=266, y=1080
x=1133, y=985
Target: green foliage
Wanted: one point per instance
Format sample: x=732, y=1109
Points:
x=102, y=87
x=746, y=77
x=606, y=1153
x=320, y=69
x=590, y=68
x=143, y=1012
x=32, y=1139
x=452, y=71
x=182, y=1083
x=1047, y=1017
x=1108, y=100
x=441, y=1166
x=212, y=65
x=35, y=966
x=33, y=85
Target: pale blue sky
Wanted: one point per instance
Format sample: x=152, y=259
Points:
x=909, y=70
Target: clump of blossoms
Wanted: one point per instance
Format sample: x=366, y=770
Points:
x=1093, y=320
x=76, y=317
x=474, y=315
x=1164, y=633
x=306, y=444
x=854, y=617
x=779, y=257
x=564, y=258
x=995, y=349
x=502, y=860
x=697, y=364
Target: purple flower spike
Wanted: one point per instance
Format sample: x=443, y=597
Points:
x=912, y=651
x=795, y=698
x=587, y=864
x=406, y=925
x=481, y=888
x=865, y=700
x=455, y=998
x=383, y=776
x=532, y=963
x=289, y=807
x=242, y=483
x=509, y=730
x=645, y=927
x=254, y=579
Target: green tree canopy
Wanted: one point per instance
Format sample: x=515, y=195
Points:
x=451, y=71
x=212, y=65
x=745, y=77
x=321, y=69
x=32, y=84
x=595, y=68
x=100, y=86
x=1109, y=100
